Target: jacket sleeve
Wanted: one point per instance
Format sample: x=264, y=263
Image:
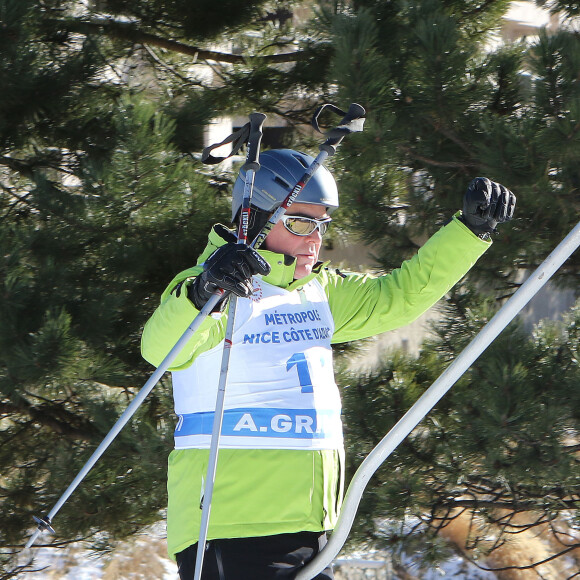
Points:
x=365, y=305
x=171, y=319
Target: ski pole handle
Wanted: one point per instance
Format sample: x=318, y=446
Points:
x=254, y=142
x=251, y=166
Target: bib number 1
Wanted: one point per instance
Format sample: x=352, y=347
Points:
x=299, y=361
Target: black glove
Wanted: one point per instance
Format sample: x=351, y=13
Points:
x=486, y=204
x=230, y=268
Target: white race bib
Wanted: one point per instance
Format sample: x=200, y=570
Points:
x=281, y=391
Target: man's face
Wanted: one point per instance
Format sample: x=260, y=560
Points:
x=304, y=248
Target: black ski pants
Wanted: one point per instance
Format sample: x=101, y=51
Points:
x=264, y=558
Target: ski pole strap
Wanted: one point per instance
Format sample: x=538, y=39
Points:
x=238, y=139
x=352, y=122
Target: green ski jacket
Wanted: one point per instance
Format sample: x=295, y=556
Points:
x=261, y=492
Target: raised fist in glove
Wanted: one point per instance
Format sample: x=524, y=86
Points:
x=486, y=204
x=230, y=267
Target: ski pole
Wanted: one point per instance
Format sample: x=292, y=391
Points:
x=45, y=523
x=432, y=396
x=251, y=166
x=352, y=121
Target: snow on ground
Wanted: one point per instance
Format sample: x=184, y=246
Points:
x=144, y=558
x=378, y=566
x=126, y=564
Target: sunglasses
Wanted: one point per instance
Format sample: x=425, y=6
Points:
x=304, y=226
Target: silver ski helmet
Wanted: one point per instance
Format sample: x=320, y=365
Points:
x=280, y=170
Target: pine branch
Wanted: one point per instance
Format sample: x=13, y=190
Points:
x=53, y=545
x=509, y=527
x=130, y=31
x=18, y=165
x=449, y=164
x=52, y=416
x=564, y=504
x=452, y=137
x=524, y=566
x=19, y=569
x=27, y=167
x=481, y=8
x=154, y=56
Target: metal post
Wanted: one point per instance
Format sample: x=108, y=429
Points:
x=430, y=398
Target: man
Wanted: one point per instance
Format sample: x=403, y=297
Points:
x=279, y=478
